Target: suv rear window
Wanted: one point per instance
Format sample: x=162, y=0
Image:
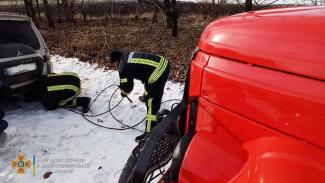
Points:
x=18, y=32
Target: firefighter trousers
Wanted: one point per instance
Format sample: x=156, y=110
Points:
x=155, y=92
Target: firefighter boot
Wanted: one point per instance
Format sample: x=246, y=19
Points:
x=143, y=98
x=3, y=125
x=84, y=103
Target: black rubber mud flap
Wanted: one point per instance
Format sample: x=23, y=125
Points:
x=179, y=154
x=127, y=174
x=154, y=151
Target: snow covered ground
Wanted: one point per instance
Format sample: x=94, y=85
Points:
x=63, y=143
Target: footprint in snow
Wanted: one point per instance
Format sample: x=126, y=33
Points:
x=101, y=176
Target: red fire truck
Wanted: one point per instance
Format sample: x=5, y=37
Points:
x=254, y=104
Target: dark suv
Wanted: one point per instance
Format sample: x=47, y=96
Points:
x=24, y=56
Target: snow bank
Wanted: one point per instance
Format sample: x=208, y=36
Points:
x=67, y=145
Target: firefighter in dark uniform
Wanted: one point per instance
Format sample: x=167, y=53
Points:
x=58, y=90
x=152, y=71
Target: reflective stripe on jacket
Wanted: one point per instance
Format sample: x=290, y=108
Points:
x=143, y=66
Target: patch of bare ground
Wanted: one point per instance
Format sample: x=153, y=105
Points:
x=91, y=41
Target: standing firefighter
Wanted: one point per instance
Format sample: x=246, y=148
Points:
x=152, y=70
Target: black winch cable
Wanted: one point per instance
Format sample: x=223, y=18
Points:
x=84, y=115
x=127, y=127
x=120, y=121
x=96, y=115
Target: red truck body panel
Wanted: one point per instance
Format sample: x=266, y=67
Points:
x=290, y=40
x=259, y=82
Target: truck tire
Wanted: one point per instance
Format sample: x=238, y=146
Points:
x=155, y=150
x=128, y=169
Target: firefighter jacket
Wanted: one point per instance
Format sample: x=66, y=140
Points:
x=147, y=68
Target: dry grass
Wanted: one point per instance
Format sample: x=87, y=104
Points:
x=91, y=41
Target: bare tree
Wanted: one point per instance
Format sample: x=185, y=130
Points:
x=168, y=5
x=84, y=10
x=85, y=4
x=248, y=5
x=155, y=15
x=38, y=10
x=72, y=9
x=65, y=9
x=137, y=17
x=265, y=3
x=203, y=9
x=317, y=2
x=214, y=12
x=48, y=13
x=59, y=10
x=30, y=11
x=68, y=8
x=171, y=13
x=174, y=17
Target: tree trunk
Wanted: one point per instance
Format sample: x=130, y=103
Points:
x=155, y=15
x=30, y=11
x=66, y=10
x=174, y=21
x=48, y=13
x=136, y=17
x=72, y=11
x=84, y=11
x=248, y=5
x=169, y=21
x=38, y=10
x=213, y=8
x=111, y=9
x=27, y=8
x=168, y=14
x=59, y=10
x=171, y=12
x=174, y=17
x=84, y=15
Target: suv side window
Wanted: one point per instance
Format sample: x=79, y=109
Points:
x=18, y=32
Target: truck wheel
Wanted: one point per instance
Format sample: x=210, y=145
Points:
x=159, y=158
x=152, y=153
x=128, y=169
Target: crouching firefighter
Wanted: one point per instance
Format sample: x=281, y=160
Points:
x=152, y=70
x=59, y=90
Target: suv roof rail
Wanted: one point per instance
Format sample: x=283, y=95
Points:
x=13, y=16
